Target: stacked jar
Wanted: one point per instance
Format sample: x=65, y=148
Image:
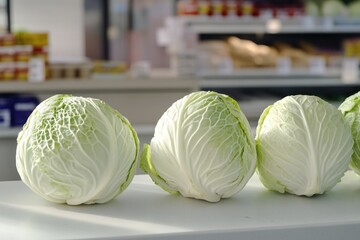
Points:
x=17, y=53
x=39, y=57
x=7, y=50
x=241, y=8
x=23, y=54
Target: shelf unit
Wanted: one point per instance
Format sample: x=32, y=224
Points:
x=124, y=94
x=296, y=25
x=85, y=85
x=197, y=26
x=226, y=82
x=257, y=88
x=269, y=78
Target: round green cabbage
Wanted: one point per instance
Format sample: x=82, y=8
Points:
x=354, y=8
x=351, y=111
x=202, y=148
x=76, y=150
x=304, y=146
x=333, y=8
x=312, y=8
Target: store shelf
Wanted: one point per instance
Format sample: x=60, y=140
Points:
x=263, y=78
x=269, y=82
x=261, y=73
x=128, y=84
x=9, y=132
x=141, y=100
x=299, y=25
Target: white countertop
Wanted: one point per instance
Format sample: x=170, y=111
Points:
x=144, y=211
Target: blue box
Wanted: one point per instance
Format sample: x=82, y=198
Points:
x=22, y=107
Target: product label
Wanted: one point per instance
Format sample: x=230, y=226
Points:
x=36, y=70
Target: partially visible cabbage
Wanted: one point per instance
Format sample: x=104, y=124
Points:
x=351, y=110
x=333, y=8
x=354, y=9
x=304, y=146
x=312, y=8
x=203, y=148
x=76, y=150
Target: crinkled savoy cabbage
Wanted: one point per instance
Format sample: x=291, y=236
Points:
x=76, y=150
x=202, y=148
x=304, y=146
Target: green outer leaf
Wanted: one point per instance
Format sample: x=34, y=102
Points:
x=268, y=181
x=350, y=108
x=147, y=166
x=235, y=110
x=350, y=104
x=262, y=119
x=132, y=170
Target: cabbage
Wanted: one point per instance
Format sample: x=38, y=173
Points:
x=354, y=9
x=312, y=8
x=333, y=8
x=202, y=148
x=304, y=146
x=76, y=150
x=351, y=110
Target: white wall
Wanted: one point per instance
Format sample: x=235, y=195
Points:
x=62, y=19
